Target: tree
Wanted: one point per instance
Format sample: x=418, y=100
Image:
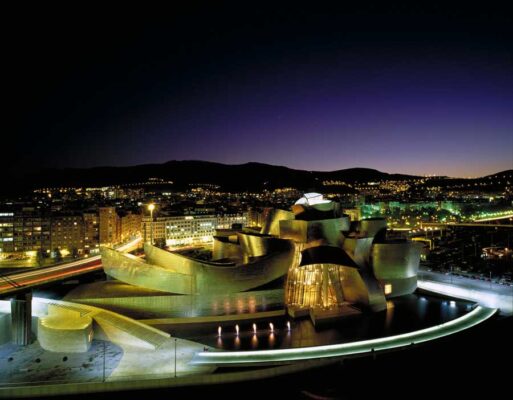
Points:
x=74, y=252
x=160, y=243
x=57, y=254
x=40, y=257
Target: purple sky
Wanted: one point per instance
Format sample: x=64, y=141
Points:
x=420, y=91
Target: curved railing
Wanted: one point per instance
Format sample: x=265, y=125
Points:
x=240, y=358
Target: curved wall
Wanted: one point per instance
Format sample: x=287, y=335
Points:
x=396, y=264
x=255, y=245
x=358, y=249
x=65, y=333
x=187, y=276
x=271, y=220
x=371, y=226
x=137, y=272
x=325, y=231
x=361, y=288
x=224, y=248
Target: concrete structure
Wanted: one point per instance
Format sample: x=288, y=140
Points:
x=21, y=319
x=65, y=330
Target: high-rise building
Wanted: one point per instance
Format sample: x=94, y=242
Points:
x=109, y=226
x=22, y=230
x=67, y=233
x=91, y=232
x=130, y=225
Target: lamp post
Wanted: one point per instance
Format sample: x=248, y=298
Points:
x=175, y=356
x=151, y=207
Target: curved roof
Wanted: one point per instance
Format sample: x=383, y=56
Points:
x=311, y=199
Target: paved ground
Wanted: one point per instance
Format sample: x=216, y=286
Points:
x=33, y=364
x=488, y=294
x=142, y=364
x=469, y=283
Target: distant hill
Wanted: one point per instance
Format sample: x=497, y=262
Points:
x=251, y=176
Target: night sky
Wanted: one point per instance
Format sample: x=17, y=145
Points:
x=418, y=90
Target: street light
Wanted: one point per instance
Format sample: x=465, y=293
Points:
x=175, y=356
x=151, y=207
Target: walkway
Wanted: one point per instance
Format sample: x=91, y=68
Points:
x=251, y=358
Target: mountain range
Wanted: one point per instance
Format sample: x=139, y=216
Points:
x=250, y=176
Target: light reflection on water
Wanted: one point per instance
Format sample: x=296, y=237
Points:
x=404, y=314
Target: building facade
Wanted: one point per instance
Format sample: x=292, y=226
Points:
x=188, y=229
x=24, y=230
x=67, y=234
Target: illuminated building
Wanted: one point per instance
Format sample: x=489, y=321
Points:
x=342, y=266
x=91, y=232
x=67, y=233
x=188, y=229
x=335, y=267
x=116, y=227
x=109, y=225
x=24, y=230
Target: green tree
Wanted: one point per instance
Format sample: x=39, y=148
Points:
x=160, y=243
x=57, y=254
x=74, y=252
x=40, y=257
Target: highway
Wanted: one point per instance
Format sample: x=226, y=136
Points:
x=18, y=282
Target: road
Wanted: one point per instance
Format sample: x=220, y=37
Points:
x=17, y=282
x=473, y=284
x=486, y=293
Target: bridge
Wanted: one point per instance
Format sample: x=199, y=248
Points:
x=473, y=224
x=19, y=282
x=495, y=217
x=19, y=286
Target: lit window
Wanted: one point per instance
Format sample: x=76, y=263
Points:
x=388, y=288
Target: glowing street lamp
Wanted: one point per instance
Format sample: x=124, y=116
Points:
x=151, y=207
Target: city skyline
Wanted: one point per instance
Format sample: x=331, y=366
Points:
x=415, y=90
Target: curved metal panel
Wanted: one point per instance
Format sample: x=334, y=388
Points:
x=358, y=249
x=137, y=272
x=271, y=220
x=326, y=231
x=361, y=288
x=255, y=245
x=395, y=260
x=371, y=226
x=224, y=248
x=396, y=264
x=187, y=276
